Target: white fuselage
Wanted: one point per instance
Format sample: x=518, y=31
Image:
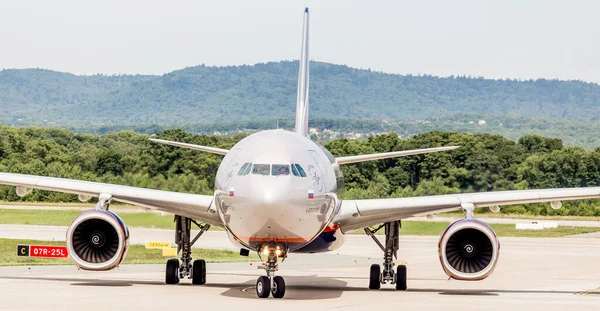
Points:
x=279, y=186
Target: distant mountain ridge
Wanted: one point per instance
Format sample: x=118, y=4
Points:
x=267, y=91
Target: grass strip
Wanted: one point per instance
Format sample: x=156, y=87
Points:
x=137, y=254
x=154, y=220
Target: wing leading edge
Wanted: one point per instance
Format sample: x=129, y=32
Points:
x=190, y=146
x=357, y=214
x=185, y=204
x=387, y=155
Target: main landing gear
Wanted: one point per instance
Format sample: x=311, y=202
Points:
x=390, y=252
x=176, y=271
x=271, y=284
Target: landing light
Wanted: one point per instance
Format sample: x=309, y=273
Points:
x=278, y=252
x=266, y=250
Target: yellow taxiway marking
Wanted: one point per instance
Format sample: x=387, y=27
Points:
x=245, y=289
x=591, y=291
x=157, y=245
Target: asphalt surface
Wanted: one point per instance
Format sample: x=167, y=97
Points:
x=532, y=274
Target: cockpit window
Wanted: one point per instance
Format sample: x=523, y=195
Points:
x=295, y=170
x=243, y=168
x=247, y=171
x=301, y=171
x=261, y=169
x=280, y=169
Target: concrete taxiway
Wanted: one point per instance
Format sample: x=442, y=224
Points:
x=532, y=274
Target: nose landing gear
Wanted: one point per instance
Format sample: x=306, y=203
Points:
x=271, y=284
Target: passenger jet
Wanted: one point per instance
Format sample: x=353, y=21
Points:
x=278, y=193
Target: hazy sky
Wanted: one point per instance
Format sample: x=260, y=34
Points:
x=496, y=39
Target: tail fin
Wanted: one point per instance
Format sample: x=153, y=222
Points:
x=302, y=103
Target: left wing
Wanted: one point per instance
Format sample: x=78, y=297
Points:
x=357, y=214
x=196, y=206
x=387, y=155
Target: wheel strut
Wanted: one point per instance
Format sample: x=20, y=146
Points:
x=387, y=275
x=197, y=271
x=272, y=284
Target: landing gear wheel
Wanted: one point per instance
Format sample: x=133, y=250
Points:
x=401, y=277
x=374, y=278
x=279, y=290
x=172, y=272
x=263, y=287
x=199, y=272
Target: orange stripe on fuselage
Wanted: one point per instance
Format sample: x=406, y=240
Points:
x=331, y=228
x=287, y=240
x=283, y=240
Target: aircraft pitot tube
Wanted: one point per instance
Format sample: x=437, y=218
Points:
x=468, y=250
x=97, y=240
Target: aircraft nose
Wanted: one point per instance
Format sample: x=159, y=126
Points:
x=268, y=208
x=271, y=190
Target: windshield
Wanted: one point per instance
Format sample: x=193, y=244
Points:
x=261, y=169
x=280, y=169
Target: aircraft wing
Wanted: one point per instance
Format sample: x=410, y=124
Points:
x=190, y=146
x=185, y=204
x=387, y=155
x=357, y=214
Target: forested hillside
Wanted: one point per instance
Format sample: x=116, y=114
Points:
x=201, y=94
x=483, y=163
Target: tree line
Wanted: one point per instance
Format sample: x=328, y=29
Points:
x=572, y=132
x=484, y=162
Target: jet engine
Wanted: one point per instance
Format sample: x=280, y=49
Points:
x=97, y=240
x=468, y=250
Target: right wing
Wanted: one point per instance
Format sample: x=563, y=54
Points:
x=196, y=206
x=190, y=146
x=357, y=214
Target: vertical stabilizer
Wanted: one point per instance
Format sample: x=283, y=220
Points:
x=302, y=102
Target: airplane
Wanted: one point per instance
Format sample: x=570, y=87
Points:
x=278, y=193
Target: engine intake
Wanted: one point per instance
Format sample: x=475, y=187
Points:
x=97, y=240
x=468, y=250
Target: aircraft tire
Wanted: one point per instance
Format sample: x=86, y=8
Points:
x=374, y=278
x=279, y=287
x=172, y=272
x=263, y=287
x=199, y=272
x=401, y=277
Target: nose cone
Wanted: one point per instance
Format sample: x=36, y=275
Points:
x=269, y=208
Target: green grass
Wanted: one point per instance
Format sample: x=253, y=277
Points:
x=424, y=228
x=137, y=254
x=64, y=218
x=113, y=204
x=483, y=213
x=153, y=220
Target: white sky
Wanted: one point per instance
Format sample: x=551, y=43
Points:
x=496, y=39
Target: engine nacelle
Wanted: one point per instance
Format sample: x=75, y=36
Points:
x=97, y=240
x=468, y=250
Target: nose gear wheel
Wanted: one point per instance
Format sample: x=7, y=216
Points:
x=275, y=285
